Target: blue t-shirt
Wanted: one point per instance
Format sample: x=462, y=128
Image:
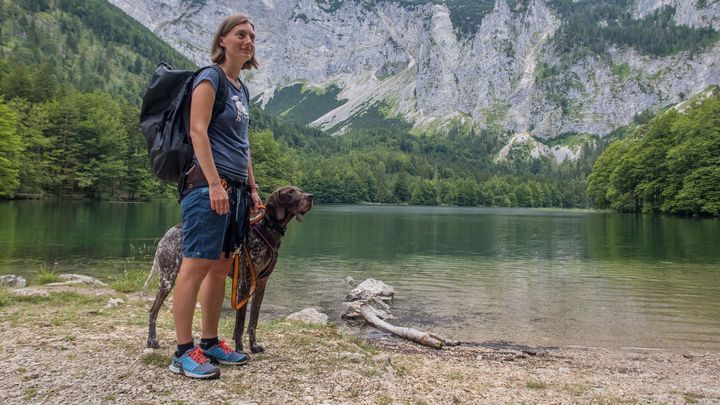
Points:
x=228, y=132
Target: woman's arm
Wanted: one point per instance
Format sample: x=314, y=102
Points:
x=203, y=98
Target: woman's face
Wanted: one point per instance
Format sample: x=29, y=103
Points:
x=239, y=43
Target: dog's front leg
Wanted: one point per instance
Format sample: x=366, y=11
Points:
x=239, y=327
x=255, y=314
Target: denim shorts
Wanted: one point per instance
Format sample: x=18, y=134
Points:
x=203, y=228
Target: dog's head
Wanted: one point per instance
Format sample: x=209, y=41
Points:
x=288, y=202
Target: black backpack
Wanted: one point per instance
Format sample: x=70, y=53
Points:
x=165, y=116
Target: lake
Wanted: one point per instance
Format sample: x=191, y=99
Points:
x=529, y=276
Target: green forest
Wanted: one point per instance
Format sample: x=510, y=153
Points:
x=71, y=76
x=669, y=165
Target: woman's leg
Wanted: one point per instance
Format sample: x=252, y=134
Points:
x=187, y=285
x=212, y=295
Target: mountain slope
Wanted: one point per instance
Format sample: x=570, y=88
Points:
x=546, y=67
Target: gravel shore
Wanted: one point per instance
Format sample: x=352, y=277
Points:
x=72, y=347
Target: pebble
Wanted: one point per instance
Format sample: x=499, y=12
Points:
x=114, y=302
x=381, y=359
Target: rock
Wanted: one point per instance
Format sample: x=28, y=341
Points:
x=351, y=310
x=80, y=279
x=352, y=357
x=447, y=89
x=31, y=292
x=371, y=288
x=349, y=281
x=11, y=280
x=114, y=302
x=309, y=315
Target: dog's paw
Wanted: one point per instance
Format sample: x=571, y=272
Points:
x=257, y=349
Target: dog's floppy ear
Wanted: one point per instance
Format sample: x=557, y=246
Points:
x=274, y=204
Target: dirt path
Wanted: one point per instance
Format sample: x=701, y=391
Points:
x=68, y=348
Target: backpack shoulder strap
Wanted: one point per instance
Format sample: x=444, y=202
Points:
x=221, y=94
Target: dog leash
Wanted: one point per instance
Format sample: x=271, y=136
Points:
x=235, y=302
x=259, y=216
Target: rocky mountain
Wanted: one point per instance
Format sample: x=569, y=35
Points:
x=543, y=68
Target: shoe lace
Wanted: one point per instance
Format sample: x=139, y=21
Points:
x=197, y=355
x=225, y=348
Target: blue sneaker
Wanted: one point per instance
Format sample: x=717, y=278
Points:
x=224, y=354
x=194, y=364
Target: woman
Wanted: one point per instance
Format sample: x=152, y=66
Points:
x=215, y=209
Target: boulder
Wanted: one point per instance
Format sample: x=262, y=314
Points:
x=74, y=279
x=371, y=288
x=11, y=280
x=349, y=281
x=309, y=315
x=31, y=292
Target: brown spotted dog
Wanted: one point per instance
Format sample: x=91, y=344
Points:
x=282, y=206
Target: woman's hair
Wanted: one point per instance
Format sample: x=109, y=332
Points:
x=217, y=53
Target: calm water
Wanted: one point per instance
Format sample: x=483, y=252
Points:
x=540, y=277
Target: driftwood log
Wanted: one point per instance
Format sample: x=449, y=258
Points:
x=367, y=301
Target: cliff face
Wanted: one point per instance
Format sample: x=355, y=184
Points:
x=412, y=62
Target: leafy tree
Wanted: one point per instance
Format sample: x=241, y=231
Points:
x=39, y=156
x=423, y=193
x=401, y=190
x=10, y=151
x=273, y=165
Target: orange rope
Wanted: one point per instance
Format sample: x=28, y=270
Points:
x=236, y=276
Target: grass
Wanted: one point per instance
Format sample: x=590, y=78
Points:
x=456, y=376
x=536, y=385
x=30, y=393
x=131, y=281
x=401, y=370
x=371, y=372
x=46, y=276
x=156, y=359
x=385, y=400
x=5, y=298
x=58, y=309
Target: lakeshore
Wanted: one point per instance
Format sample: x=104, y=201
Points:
x=74, y=347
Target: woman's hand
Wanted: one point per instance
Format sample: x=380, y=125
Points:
x=219, y=201
x=256, y=201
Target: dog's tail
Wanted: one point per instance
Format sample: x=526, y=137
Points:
x=153, y=271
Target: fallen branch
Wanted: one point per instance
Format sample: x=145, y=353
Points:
x=415, y=335
x=446, y=341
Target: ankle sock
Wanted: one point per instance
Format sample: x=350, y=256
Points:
x=209, y=342
x=181, y=349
